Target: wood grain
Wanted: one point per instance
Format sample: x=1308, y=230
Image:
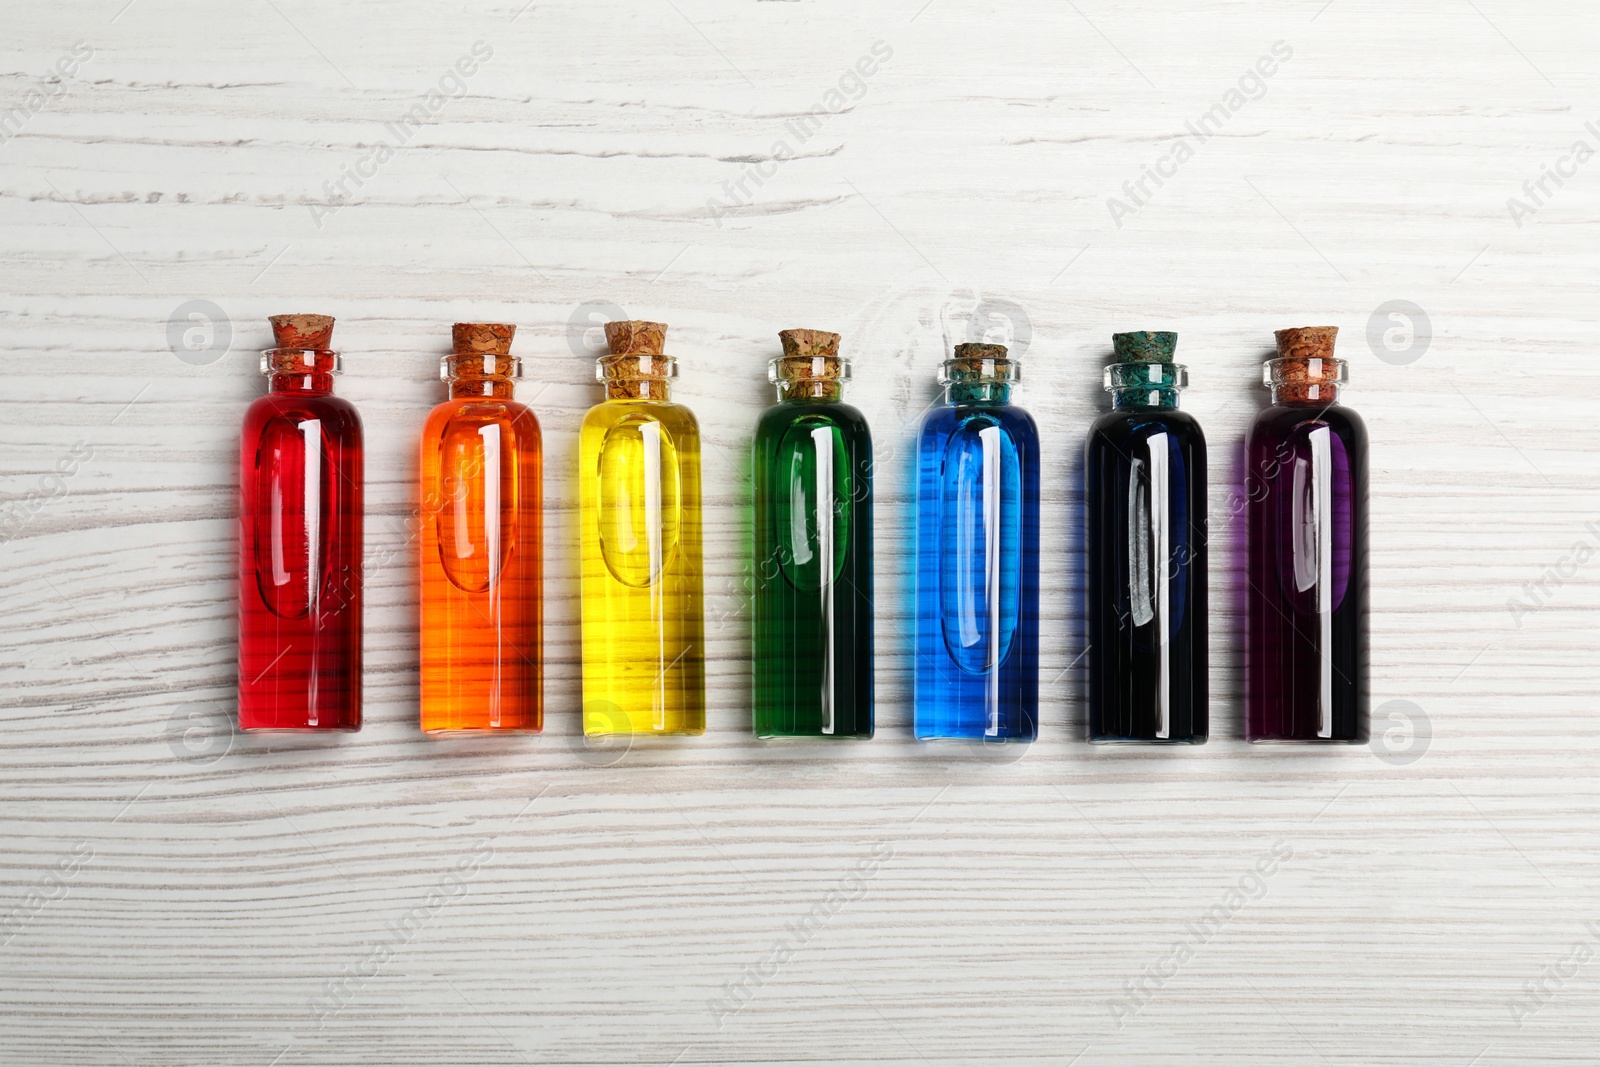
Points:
x=173, y=894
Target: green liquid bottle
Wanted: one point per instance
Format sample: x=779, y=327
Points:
x=813, y=547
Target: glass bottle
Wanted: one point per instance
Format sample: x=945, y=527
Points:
x=482, y=545
x=639, y=509
x=977, y=602
x=813, y=550
x=300, y=540
x=1306, y=603
x=1145, y=544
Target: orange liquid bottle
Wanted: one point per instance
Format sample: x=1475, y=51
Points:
x=482, y=545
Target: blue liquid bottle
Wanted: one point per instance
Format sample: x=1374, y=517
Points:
x=1145, y=539
x=977, y=630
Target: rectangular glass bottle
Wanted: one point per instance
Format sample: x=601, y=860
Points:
x=1306, y=596
x=482, y=545
x=300, y=540
x=639, y=512
x=813, y=550
x=1145, y=553
x=977, y=599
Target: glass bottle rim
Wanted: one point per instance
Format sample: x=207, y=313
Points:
x=449, y=366
x=818, y=371
x=990, y=371
x=309, y=357
x=1311, y=370
x=646, y=368
x=1145, y=375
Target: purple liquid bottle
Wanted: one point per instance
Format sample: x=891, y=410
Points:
x=1305, y=653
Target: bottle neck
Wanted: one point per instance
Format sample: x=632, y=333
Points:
x=813, y=391
x=1144, y=399
x=638, y=389
x=817, y=378
x=481, y=376
x=1138, y=385
x=986, y=377
x=300, y=370
x=496, y=389
x=1301, y=381
x=1310, y=396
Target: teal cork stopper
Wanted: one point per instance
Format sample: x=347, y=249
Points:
x=1144, y=346
x=1144, y=374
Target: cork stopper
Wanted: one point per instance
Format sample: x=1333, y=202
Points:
x=1144, y=346
x=1306, y=342
x=637, y=368
x=482, y=338
x=306, y=332
x=809, y=344
x=302, y=351
x=633, y=337
x=810, y=365
x=808, y=355
x=480, y=361
x=978, y=372
x=973, y=361
x=973, y=350
x=1306, y=370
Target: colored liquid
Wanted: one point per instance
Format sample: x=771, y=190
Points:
x=1306, y=600
x=1145, y=483
x=643, y=629
x=300, y=542
x=482, y=572
x=813, y=571
x=977, y=604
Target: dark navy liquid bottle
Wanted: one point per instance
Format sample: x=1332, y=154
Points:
x=977, y=627
x=1145, y=508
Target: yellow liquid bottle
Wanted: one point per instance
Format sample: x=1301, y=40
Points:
x=639, y=507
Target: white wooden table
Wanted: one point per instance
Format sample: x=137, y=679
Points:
x=173, y=894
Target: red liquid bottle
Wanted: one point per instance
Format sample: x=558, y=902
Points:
x=300, y=540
